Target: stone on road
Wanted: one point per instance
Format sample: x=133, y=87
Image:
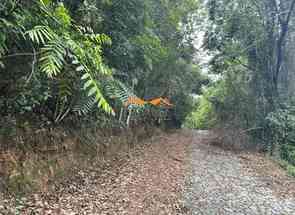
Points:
x=218, y=184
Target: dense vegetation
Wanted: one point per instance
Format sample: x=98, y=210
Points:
x=75, y=63
x=77, y=60
x=252, y=48
x=68, y=70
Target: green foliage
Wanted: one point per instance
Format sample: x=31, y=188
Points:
x=68, y=69
x=152, y=49
x=84, y=105
x=288, y=167
x=204, y=117
x=52, y=58
x=62, y=14
x=32, y=97
x=288, y=153
x=94, y=90
x=56, y=44
x=119, y=91
x=291, y=170
x=282, y=125
x=41, y=34
x=282, y=122
x=249, y=46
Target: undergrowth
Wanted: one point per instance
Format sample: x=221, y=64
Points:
x=51, y=155
x=288, y=167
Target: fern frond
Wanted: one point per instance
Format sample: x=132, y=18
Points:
x=117, y=90
x=85, y=105
x=99, y=39
x=91, y=86
x=52, y=58
x=83, y=30
x=64, y=89
x=41, y=34
x=76, y=49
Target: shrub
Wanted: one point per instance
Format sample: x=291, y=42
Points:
x=204, y=117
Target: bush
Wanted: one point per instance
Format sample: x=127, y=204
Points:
x=204, y=117
x=287, y=153
x=282, y=127
x=288, y=167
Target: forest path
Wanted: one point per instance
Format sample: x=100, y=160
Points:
x=224, y=182
x=179, y=173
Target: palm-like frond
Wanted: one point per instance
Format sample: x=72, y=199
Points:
x=41, y=34
x=52, y=58
x=115, y=89
x=84, y=105
x=99, y=39
x=64, y=89
x=93, y=89
x=85, y=52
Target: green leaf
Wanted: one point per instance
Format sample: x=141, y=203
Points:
x=88, y=84
x=85, y=76
x=80, y=68
x=91, y=92
x=75, y=62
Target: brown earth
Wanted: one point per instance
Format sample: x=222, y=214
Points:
x=147, y=180
x=179, y=173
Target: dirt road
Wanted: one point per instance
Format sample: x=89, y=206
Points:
x=223, y=182
x=180, y=173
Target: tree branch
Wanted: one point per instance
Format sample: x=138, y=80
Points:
x=20, y=54
x=33, y=67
